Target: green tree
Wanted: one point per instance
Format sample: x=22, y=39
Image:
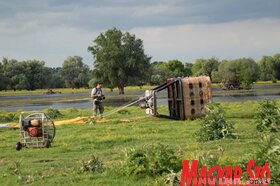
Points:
x=3, y=79
x=23, y=82
x=276, y=59
x=176, y=67
x=34, y=74
x=268, y=68
x=53, y=78
x=119, y=57
x=197, y=67
x=233, y=73
x=12, y=68
x=188, y=69
x=205, y=67
x=249, y=71
x=228, y=73
x=75, y=73
x=159, y=73
x=210, y=66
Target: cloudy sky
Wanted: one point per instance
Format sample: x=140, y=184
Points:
x=52, y=30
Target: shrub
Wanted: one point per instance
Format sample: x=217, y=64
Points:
x=214, y=125
x=270, y=152
x=138, y=163
x=204, y=159
x=268, y=118
x=152, y=160
x=53, y=113
x=93, y=165
x=163, y=159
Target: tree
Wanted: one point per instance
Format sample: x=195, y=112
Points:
x=229, y=74
x=53, y=78
x=268, y=70
x=236, y=72
x=33, y=77
x=159, y=73
x=205, y=67
x=119, y=57
x=197, y=67
x=12, y=69
x=3, y=79
x=75, y=72
x=249, y=71
x=210, y=66
x=176, y=67
x=188, y=69
x=276, y=59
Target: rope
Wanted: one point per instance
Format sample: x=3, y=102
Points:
x=122, y=107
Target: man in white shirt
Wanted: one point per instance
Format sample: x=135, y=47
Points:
x=97, y=96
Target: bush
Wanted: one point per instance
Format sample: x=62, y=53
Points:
x=204, y=159
x=9, y=116
x=270, y=152
x=268, y=118
x=93, y=165
x=214, y=125
x=151, y=161
x=138, y=163
x=53, y=113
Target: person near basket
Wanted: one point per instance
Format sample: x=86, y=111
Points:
x=97, y=96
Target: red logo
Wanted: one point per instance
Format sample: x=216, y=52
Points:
x=223, y=176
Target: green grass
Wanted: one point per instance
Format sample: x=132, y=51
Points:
x=60, y=164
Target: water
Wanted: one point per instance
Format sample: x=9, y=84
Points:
x=259, y=92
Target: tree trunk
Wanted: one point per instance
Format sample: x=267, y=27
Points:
x=121, y=89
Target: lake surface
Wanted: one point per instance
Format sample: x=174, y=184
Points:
x=259, y=92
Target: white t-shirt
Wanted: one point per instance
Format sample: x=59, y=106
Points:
x=95, y=91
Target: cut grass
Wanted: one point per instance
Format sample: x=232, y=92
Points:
x=60, y=164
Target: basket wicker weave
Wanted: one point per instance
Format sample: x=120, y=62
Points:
x=196, y=93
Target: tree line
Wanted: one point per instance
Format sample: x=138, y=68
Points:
x=33, y=74
x=119, y=60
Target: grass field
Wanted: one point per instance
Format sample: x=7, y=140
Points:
x=60, y=164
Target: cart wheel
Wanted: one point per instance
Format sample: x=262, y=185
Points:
x=47, y=143
x=18, y=146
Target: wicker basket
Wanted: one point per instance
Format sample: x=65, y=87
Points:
x=196, y=93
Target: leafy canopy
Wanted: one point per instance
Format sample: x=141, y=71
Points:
x=119, y=58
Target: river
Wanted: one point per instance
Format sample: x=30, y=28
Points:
x=81, y=100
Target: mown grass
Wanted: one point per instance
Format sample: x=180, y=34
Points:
x=60, y=164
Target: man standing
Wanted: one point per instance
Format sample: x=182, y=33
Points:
x=97, y=96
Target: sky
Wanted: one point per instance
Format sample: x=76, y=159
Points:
x=52, y=30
